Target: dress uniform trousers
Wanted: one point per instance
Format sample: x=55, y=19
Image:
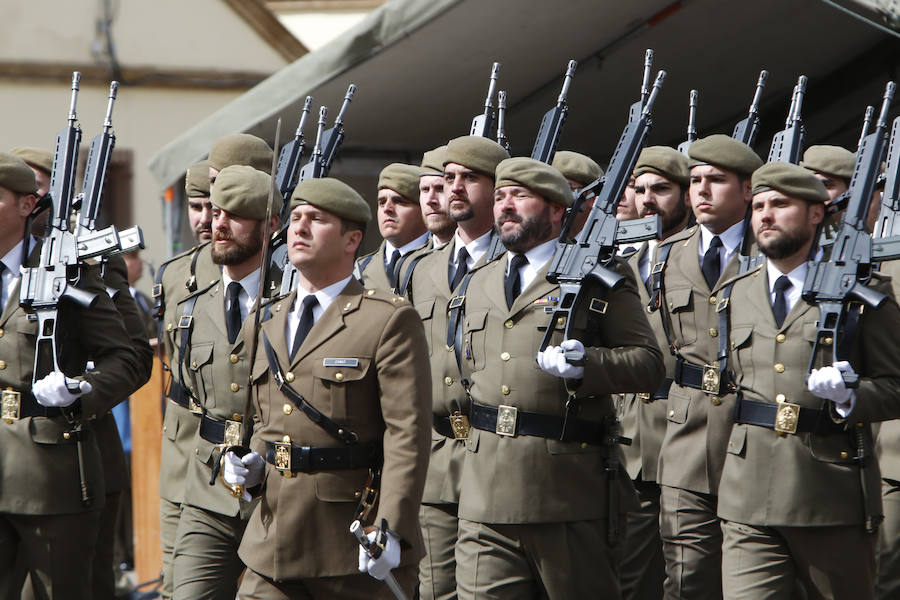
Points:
x=206, y=564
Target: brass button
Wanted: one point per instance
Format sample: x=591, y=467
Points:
x=2, y=364
x=168, y=327
x=66, y=435
x=287, y=408
x=844, y=454
x=235, y=387
x=286, y=439
x=194, y=364
x=712, y=300
x=508, y=324
x=560, y=321
x=779, y=398
x=859, y=424
x=448, y=380
x=348, y=305
x=370, y=293
x=716, y=401
x=713, y=332
x=357, y=493
x=277, y=307
x=828, y=341
x=339, y=376
x=584, y=445
x=671, y=413
x=237, y=417
x=1, y=332
x=779, y=368
x=196, y=450
x=780, y=338
x=289, y=377
x=164, y=428
x=504, y=356
x=504, y=389
x=233, y=358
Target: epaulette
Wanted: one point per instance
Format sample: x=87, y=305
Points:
x=682, y=235
x=384, y=296
x=199, y=291
x=731, y=280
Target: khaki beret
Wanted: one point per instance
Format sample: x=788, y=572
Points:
x=537, y=176
x=433, y=161
x=791, y=180
x=35, y=157
x=333, y=196
x=403, y=179
x=480, y=154
x=244, y=191
x=16, y=175
x=577, y=167
x=196, y=181
x=829, y=160
x=725, y=152
x=665, y=161
x=241, y=149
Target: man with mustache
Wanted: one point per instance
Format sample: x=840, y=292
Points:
x=433, y=198
x=661, y=181
x=793, y=498
x=534, y=507
x=690, y=269
x=196, y=188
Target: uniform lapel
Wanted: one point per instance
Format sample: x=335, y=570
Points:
x=689, y=260
x=332, y=320
x=12, y=303
x=276, y=327
x=538, y=288
x=759, y=297
x=217, y=315
x=440, y=277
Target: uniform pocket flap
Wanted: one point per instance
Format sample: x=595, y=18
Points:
x=810, y=332
x=679, y=298
x=738, y=439
x=348, y=370
x=678, y=405
x=476, y=320
x=50, y=431
x=425, y=308
x=339, y=486
x=740, y=336
x=201, y=355
x=170, y=423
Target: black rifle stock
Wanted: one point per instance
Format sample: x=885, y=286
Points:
x=787, y=145
x=746, y=129
x=288, y=168
x=501, y=120
x=485, y=124
x=552, y=123
x=692, y=124
x=833, y=284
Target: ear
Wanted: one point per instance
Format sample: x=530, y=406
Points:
x=352, y=240
x=747, y=189
x=557, y=213
x=816, y=212
x=26, y=204
x=274, y=222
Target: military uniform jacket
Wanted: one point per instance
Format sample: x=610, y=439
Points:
x=530, y=479
x=802, y=479
x=39, y=462
x=887, y=443
x=374, y=274
x=644, y=419
x=693, y=449
x=300, y=528
x=181, y=278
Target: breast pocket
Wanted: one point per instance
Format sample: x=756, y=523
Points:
x=200, y=366
x=475, y=339
x=332, y=377
x=426, y=313
x=681, y=310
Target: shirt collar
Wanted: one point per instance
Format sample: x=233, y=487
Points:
x=404, y=250
x=797, y=276
x=250, y=283
x=326, y=295
x=13, y=259
x=537, y=256
x=476, y=248
x=731, y=238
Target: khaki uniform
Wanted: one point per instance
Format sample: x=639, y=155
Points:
x=298, y=537
x=533, y=510
x=44, y=524
x=793, y=505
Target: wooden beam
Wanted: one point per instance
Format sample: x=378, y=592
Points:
x=269, y=28
x=326, y=6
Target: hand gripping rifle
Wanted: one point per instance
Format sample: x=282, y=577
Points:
x=841, y=280
x=553, y=121
x=692, y=124
x=787, y=145
x=746, y=129
x=485, y=125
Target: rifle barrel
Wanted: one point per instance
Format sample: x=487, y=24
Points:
x=570, y=73
x=113, y=91
x=645, y=82
x=347, y=98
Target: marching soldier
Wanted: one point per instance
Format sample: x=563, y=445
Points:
x=660, y=188
x=41, y=162
x=469, y=164
x=51, y=474
x=536, y=499
x=793, y=500
x=832, y=165
x=579, y=170
x=433, y=197
x=196, y=187
x=690, y=270
x=341, y=391
x=212, y=520
x=400, y=224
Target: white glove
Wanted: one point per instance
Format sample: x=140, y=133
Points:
x=51, y=391
x=553, y=360
x=246, y=471
x=827, y=383
x=389, y=559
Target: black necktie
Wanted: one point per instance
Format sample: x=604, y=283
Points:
x=462, y=267
x=779, y=307
x=711, y=266
x=305, y=324
x=389, y=269
x=2, y=268
x=513, y=285
x=233, y=314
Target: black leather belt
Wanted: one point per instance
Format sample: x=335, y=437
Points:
x=178, y=395
x=708, y=379
x=509, y=421
x=297, y=459
x=28, y=407
x=784, y=417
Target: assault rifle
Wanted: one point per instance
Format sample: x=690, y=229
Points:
x=485, y=124
x=787, y=145
x=692, y=126
x=746, y=129
x=288, y=167
x=553, y=121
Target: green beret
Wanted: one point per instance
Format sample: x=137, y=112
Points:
x=196, y=181
x=241, y=149
x=480, y=154
x=725, y=152
x=433, y=161
x=829, y=160
x=577, y=167
x=15, y=175
x=537, y=176
x=333, y=196
x=791, y=180
x=35, y=157
x=403, y=179
x=244, y=191
x=665, y=161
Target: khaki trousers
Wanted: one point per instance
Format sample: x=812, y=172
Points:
x=169, y=513
x=437, y=571
x=205, y=560
x=834, y=562
x=692, y=544
x=887, y=552
x=643, y=568
x=359, y=586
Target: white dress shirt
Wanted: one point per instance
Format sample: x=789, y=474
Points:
x=537, y=257
x=13, y=263
x=476, y=249
x=797, y=277
x=325, y=296
x=247, y=295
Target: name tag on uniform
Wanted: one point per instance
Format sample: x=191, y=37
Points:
x=340, y=362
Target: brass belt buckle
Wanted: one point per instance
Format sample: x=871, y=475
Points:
x=233, y=433
x=11, y=404
x=283, y=457
x=787, y=416
x=710, y=382
x=459, y=424
x=643, y=397
x=506, y=420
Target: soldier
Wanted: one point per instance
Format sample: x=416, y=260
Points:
x=196, y=187
x=792, y=497
x=661, y=181
x=690, y=269
x=626, y=210
x=579, y=170
x=433, y=197
x=51, y=479
x=469, y=165
x=355, y=361
x=41, y=162
x=212, y=520
x=176, y=279
x=400, y=224
x=832, y=165
x=535, y=498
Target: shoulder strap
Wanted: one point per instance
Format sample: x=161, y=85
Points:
x=404, y=289
x=455, y=313
x=724, y=335
x=361, y=265
x=657, y=289
x=184, y=329
x=159, y=298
